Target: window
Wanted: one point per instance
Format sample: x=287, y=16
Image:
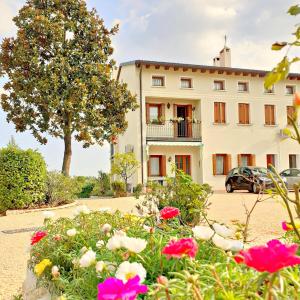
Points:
x=157, y=165
x=155, y=113
x=186, y=83
x=244, y=114
x=269, y=114
x=271, y=160
x=289, y=89
x=243, y=86
x=270, y=90
x=158, y=81
x=221, y=164
x=183, y=162
x=290, y=113
x=219, y=113
x=293, y=161
x=245, y=160
x=219, y=85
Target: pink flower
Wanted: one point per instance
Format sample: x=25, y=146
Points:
x=38, y=236
x=288, y=226
x=270, y=258
x=114, y=289
x=183, y=247
x=169, y=212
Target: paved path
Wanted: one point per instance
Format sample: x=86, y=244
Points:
x=265, y=224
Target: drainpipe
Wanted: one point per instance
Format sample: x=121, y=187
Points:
x=141, y=123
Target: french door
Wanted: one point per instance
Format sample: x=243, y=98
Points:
x=183, y=162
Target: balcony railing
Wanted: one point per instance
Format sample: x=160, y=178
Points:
x=174, y=131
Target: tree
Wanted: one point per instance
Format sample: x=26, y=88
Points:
x=124, y=165
x=59, y=71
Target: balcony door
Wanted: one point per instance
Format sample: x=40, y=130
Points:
x=183, y=162
x=184, y=126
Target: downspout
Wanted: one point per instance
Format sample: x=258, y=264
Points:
x=141, y=122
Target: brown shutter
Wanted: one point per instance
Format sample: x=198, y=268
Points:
x=227, y=163
x=253, y=160
x=240, y=113
x=190, y=116
x=147, y=113
x=239, y=159
x=162, y=113
x=149, y=166
x=163, y=166
x=216, y=113
x=273, y=114
x=214, y=162
x=247, y=112
x=223, y=114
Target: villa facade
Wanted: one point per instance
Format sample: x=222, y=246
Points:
x=206, y=119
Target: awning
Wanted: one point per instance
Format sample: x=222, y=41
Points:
x=166, y=143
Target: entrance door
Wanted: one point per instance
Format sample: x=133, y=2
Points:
x=185, y=125
x=183, y=162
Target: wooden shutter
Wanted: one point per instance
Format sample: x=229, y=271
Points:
x=239, y=159
x=190, y=117
x=267, y=121
x=214, y=162
x=163, y=166
x=241, y=113
x=147, y=113
x=223, y=114
x=252, y=160
x=162, y=113
x=290, y=112
x=227, y=163
x=149, y=166
x=272, y=114
x=247, y=113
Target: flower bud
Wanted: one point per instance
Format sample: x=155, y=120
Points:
x=162, y=280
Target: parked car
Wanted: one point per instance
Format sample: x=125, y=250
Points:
x=252, y=179
x=292, y=177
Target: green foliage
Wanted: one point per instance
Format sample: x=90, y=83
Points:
x=59, y=69
x=294, y=10
x=181, y=192
x=137, y=190
x=61, y=189
x=22, y=178
x=118, y=188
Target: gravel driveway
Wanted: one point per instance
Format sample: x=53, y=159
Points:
x=265, y=224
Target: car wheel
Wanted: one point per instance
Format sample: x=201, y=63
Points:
x=229, y=188
x=255, y=188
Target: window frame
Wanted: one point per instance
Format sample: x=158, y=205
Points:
x=187, y=79
x=270, y=91
x=249, y=116
x=220, y=113
x=274, y=114
x=288, y=122
x=185, y=156
x=220, y=81
x=247, y=86
x=158, y=76
x=160, y=165
x=296, y=161
x=226, y=163
x=159, y=107
x=294, y=89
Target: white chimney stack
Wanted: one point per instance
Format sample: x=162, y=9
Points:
x=225, y=57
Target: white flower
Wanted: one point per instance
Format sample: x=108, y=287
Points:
x=55, y=271
x=100, y=244
x=222, y=230
x=87, y=259
x=119, y=233
x=236, y=246
x=71, y=232
x=105, y=209
x=69, y=35
x=203, y=232
x=220, y=242
x=82, y=209
x=100, y=265
x=134, y=245
x=114, y=243
x=83, y=250
x=129, y=270
x=106, y=228
x=48, y=214
x=149, y=229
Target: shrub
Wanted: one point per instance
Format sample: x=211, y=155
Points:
x=104, y=180
x=22, y=178
x=61, y=189
x=118, y=188
x=86, y=185
x=137, y=190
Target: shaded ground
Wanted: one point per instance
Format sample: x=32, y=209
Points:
x=265, y=224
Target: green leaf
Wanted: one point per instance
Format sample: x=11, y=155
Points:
x=270, y=79
x=294, y=10
x=278, y=45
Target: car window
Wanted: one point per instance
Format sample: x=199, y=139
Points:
x=295, y=172
x=286, y=173
x=261, y=171
x=235, y=171
x=246, y=171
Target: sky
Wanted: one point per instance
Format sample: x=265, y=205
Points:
x=186, y=31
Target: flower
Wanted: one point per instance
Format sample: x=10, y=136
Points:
x=55, y=271
x=127, y=270
x=114, y=289
x=222, y=230
x=149, y=229
x=227, y=244
x=71, y=232
x=100, y=265
x=100, y=244
x=203, y=232
x=40, y=267
x=162, y=280
x=82, y=209
x=83, y=250
x=48, y=214
x=114, y=243
x=106, y=228
x=288, y=226
x=87, y=259
x=38, y=236
x=69, y=35
x=169, y=212
x=297, y=99
x=180, y=248
x=134, y=245
x=269, y=258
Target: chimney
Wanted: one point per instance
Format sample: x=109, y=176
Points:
x=217, y=61
x=225, y=57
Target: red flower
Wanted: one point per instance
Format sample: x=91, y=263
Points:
x=297, y=99
x=180, y=248
x=271, y=258
x=169, y=212
x=38, y=236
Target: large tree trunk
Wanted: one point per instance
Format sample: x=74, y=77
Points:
x=67, y=154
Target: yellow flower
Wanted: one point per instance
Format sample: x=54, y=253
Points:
x=40, y=267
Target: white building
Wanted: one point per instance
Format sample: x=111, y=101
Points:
x=206, y=119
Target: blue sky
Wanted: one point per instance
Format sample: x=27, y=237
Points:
x=171, y=30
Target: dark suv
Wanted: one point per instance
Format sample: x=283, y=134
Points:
x=252, y=179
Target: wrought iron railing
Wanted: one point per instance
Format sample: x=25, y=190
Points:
x=169, y=130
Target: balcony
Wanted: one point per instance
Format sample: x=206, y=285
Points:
x=174, y=131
